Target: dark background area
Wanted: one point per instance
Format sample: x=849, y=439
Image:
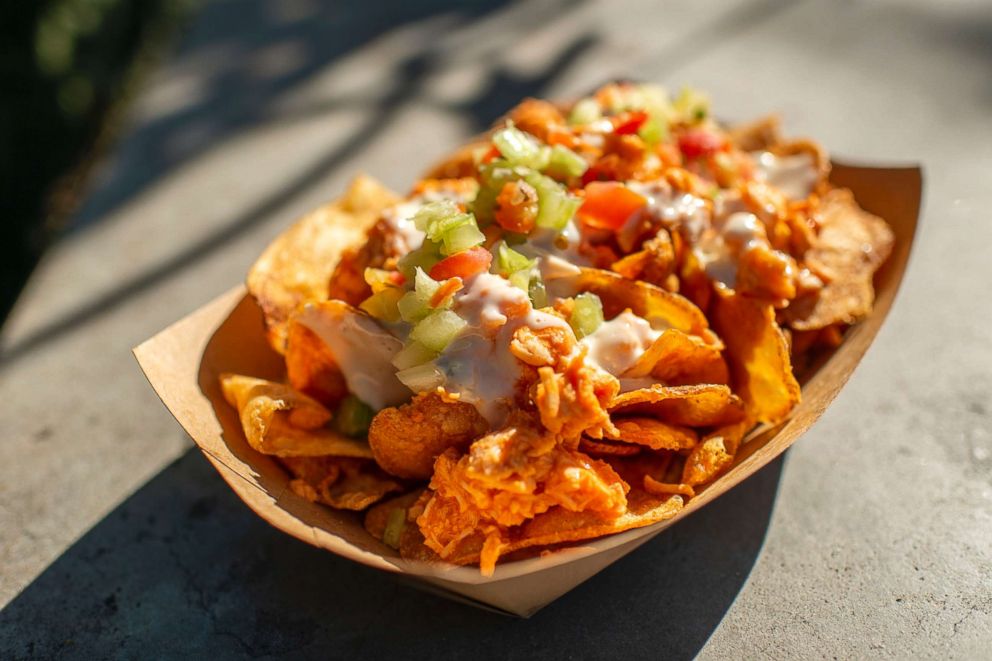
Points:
x=67, y=68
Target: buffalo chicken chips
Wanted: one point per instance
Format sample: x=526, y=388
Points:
x=568, y=330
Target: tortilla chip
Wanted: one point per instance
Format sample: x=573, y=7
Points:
x=310, y=366
x=850, y=246
x=377, y=516
x=607, y=449
x=656, y=434
x=691, y=406
x=296, y=268
x=758, y=354
x=678, y=359
x=656, y=488
x=714, y=454
x=757, y=135
x=280, y=421
x=663, y=309
x=555, y=526
x=341, y=483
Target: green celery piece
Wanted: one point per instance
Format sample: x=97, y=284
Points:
x=519, y=148
x=395, y=524
x=565, y=163
x=585, y=111
x=555, y=206
x=438, y=329
x=462, y=238
x=413, y=354
x=353, y=417
x=509, y=260
x=587, y=315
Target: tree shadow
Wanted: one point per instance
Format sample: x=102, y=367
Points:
x=182, y=569
x=236, y=99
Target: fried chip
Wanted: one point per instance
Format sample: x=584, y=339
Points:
x=656, y=488
x=655, y=434
x=378, y=515
x=556, y=526
x=850, y=246
x=296, y=268
x=691, y=406
x=663, y=309
x=280, y=421
x=310, y=366
x=341, y=483
x=758, y=354
x=714, y=454
x=601, y=448
x=678, y=359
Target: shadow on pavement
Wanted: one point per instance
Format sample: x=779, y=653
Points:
x=237, y=99
x=183, y=569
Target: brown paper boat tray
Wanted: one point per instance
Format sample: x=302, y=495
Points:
x=182, y=364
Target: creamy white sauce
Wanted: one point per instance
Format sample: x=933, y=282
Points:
x=795, y=175
x=478, y=365
x=362, y=349
x=618, y=343
x=672, y=209
x=400, y=220
x=720, y=248
x=557, y=253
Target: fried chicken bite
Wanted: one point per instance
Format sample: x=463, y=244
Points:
x=407, y=439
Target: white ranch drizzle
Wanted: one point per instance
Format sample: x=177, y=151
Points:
x=363, y=350
x=720, y=249
x=618, y=343
x=794, y=175
x=478, y=365
x=671, y=208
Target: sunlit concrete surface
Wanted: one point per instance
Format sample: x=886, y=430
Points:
x=872, y=539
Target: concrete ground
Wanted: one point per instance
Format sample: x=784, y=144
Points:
x=873, y=538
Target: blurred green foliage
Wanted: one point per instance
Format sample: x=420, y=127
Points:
x=66, y=67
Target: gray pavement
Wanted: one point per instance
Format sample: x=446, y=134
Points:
x=873, y=538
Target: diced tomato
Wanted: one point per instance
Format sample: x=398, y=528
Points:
x=608, y=204
x=396, y=278
x=491, y=155
x=700, y=142
x=628, y=123
x=463, y=265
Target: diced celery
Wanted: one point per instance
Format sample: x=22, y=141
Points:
x=422, y=377
x=585, y=111
x=565, y=163
x=538, y=294
x=413, y=354
x=395, y=524
x=462, y=238
x=414, y=305
x=428, y=217
x=652, y=131
x=555, y=206
x=493, y=176
x=384, y=304
x=520, y=148
x=424, y=257
x=692, y=105
x=521, y=279
x=509, y=260
x=353, y=417
x=438, y=329
x=587, y=315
